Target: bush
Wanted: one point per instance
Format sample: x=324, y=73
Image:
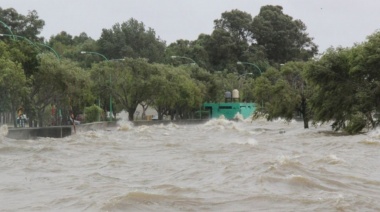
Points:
x=92, y=113
x=356, y=124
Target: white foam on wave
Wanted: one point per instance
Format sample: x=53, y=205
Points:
x=124, y=126
x=221, y=121
x=373, y=137
x=330, y=159
x=124, y=123
x=375, y=133
x=333, y=159
x=239, y=117
x=248, y=141
x=3, y=130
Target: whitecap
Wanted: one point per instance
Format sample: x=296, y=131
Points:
x=3, y=130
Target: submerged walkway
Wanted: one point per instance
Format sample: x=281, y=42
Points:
x=67, y=130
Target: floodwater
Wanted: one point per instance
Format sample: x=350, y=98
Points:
x=219, y=165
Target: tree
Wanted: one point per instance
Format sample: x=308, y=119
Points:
x=176, y=93
x=29, y=26
x=13, y=89
x=166, y=90
x=237, y=23
x=59, y=82
x=24, y=51
x=293, y=74
x=132, y=83
x=283, y=38
x=190, y=49
x=222, y=51
x=277, y=94
x=179, y=48
x=340, y=94
x=347, y=84
x=63, y=38
x=131, y=39
x=284, y=92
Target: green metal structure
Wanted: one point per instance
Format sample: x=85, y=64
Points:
x=229, y=109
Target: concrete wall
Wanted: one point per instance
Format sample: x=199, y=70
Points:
x=95, y=126
x=63, y=131
x=34, y=132
x=165, y=122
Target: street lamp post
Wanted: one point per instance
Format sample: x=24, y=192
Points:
x=242, y=63
x=105, y=58
x=17, y=36
x=9, y=29
x=32, y=43
x=56, y=54
x=193, y=62
x=86, y=52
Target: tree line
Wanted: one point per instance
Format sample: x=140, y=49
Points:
x=129, y=65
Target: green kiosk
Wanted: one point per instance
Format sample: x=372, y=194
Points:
x=231, y=107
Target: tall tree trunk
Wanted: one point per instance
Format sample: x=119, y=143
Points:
x=305, y=122
x=40, y=119
x=304, y=114
x=145, y=108
x=14, y=116
x=370, y=119
x=131, y=112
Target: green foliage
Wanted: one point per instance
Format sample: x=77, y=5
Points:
x=343, y=86
x=334, y=94
x=60, y=82
x=29, y=26
x=22, y=50
x=222, y=51
x=356, y=124
x=347, y=86
x=284, y=92
x=71, y=47
x=284, y=39
x=259, y=114
x=229, y=41
x=176, y=91
x=92, y=113
x=237, y=23
x=131, y=82
x=13, y=82
x=131, y=39
x=13, y=87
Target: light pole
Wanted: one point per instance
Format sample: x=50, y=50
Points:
x=86, y=52
x=56, y=54
x=192, y=61
x=242, y=63
x=16, y=36
x=105, y=58
x=9, y=29
x=32, y=43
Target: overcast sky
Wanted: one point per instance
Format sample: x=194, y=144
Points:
x=330, y=22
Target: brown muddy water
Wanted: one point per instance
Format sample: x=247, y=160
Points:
x=220, y=165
